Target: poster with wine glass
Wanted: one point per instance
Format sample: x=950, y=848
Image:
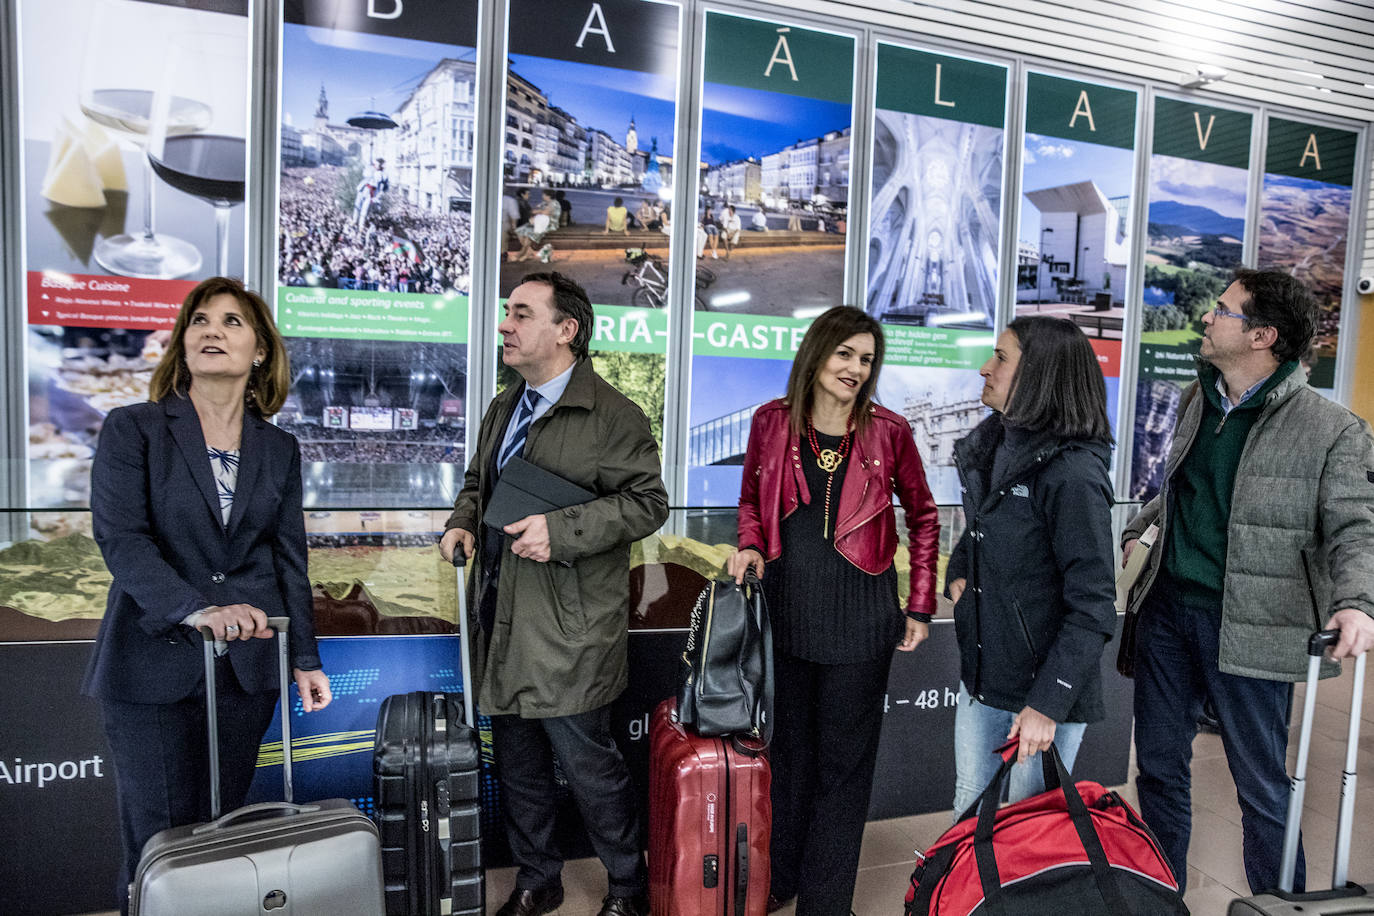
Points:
x=133, y=163
x=375, y=145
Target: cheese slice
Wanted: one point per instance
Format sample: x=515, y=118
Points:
x=72, y=179
x=104, y=152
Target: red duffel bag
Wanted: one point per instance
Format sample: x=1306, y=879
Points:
x=1073, y=850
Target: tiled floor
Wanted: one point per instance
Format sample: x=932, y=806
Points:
x=1215, y=871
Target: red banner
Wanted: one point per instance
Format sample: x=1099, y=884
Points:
x=1108, y=356
x=91, y=301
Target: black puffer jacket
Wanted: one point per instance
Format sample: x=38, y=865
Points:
x=1037, y=553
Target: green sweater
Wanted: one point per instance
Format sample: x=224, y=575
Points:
x=1195, y=552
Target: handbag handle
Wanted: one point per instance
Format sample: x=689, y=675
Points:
x=1056, y=779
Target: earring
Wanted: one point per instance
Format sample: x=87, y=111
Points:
x=257, y=364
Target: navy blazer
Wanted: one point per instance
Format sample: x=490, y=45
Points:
x=157, y=520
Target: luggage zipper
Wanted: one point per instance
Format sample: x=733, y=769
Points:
x=706, y=634
x=1025, y=634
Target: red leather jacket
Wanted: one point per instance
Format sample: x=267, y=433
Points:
x=884, y=461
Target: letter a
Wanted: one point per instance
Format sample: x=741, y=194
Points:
x=786, y=57
x=1083, y=108
x=1311, y=150
x=1201, y=137
x=938, y=100
x=604, y=32
x=394, y=14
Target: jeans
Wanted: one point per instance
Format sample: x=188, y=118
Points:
x=600, y=784
x=978, y=731
x=1177, y=641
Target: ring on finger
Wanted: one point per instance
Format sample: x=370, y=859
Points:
x=231, y=630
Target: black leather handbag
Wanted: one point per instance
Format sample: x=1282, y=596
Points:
x=726, y=687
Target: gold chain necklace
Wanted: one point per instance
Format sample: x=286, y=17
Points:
x=829, y=460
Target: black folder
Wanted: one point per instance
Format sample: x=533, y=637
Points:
x=524, y=489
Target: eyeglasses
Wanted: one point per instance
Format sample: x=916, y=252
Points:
x=1220, y=312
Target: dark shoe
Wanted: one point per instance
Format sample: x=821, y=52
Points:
x=777, y=903
x=533, y=903
x=638, y=905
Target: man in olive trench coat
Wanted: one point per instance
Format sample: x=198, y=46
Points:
x=551, y=592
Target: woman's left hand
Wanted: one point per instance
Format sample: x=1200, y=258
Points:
x=314, y=689
x=916, y=633
x=1036, y=731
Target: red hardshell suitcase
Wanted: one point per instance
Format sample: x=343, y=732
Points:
x=710, y=819
x=316, y=859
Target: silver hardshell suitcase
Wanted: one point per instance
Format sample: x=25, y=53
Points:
x=317, y=859
x=1344, y=897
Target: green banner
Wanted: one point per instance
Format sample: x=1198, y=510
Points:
x=939, y=86
x=763, y=337
x=1074, y=110
x=1168, y=362
x=760, y=54
x=305, y=311
x=626, y=329
x=1202, y=133
x=937, y=348
x=1309, y=151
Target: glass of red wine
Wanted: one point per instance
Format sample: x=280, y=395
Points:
x=211, y=164
x=122, y=73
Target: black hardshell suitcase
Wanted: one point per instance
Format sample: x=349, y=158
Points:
x=426, y=766
x=317, y=859
x=1344, y=897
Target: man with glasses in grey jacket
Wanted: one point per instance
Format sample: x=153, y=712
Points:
x=1265, y=534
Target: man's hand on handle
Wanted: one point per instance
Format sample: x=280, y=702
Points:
x=1357, y=633
x=456, y=537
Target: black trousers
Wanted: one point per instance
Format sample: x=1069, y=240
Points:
x=601, y=787
x=161, y=759
x=827, y=719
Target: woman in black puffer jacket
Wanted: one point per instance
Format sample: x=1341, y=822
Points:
x=1032, y=577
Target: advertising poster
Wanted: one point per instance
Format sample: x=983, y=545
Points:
x=134, y=170
x=1073, y=247
x=587, y=172
x=1309, y=173
x=1199, y=188
x=374, y=245
x=938, y=151
x=775, y=147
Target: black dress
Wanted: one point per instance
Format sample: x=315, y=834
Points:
x=824, y=608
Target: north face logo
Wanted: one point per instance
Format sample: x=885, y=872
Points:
x=1021, y=490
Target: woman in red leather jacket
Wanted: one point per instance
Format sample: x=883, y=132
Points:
x=816, y=523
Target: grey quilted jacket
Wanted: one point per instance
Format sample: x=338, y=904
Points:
x=1301, y=536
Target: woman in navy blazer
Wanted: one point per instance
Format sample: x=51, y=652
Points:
x=196, y=502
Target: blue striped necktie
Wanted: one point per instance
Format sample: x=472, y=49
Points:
x=522, y=429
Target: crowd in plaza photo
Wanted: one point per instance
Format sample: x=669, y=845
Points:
x=398, y=247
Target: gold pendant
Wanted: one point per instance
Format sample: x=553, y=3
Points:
x=829, y=460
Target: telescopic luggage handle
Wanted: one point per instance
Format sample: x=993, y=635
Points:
x=464, y=639
x=1317, y=645
x=280, y=625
